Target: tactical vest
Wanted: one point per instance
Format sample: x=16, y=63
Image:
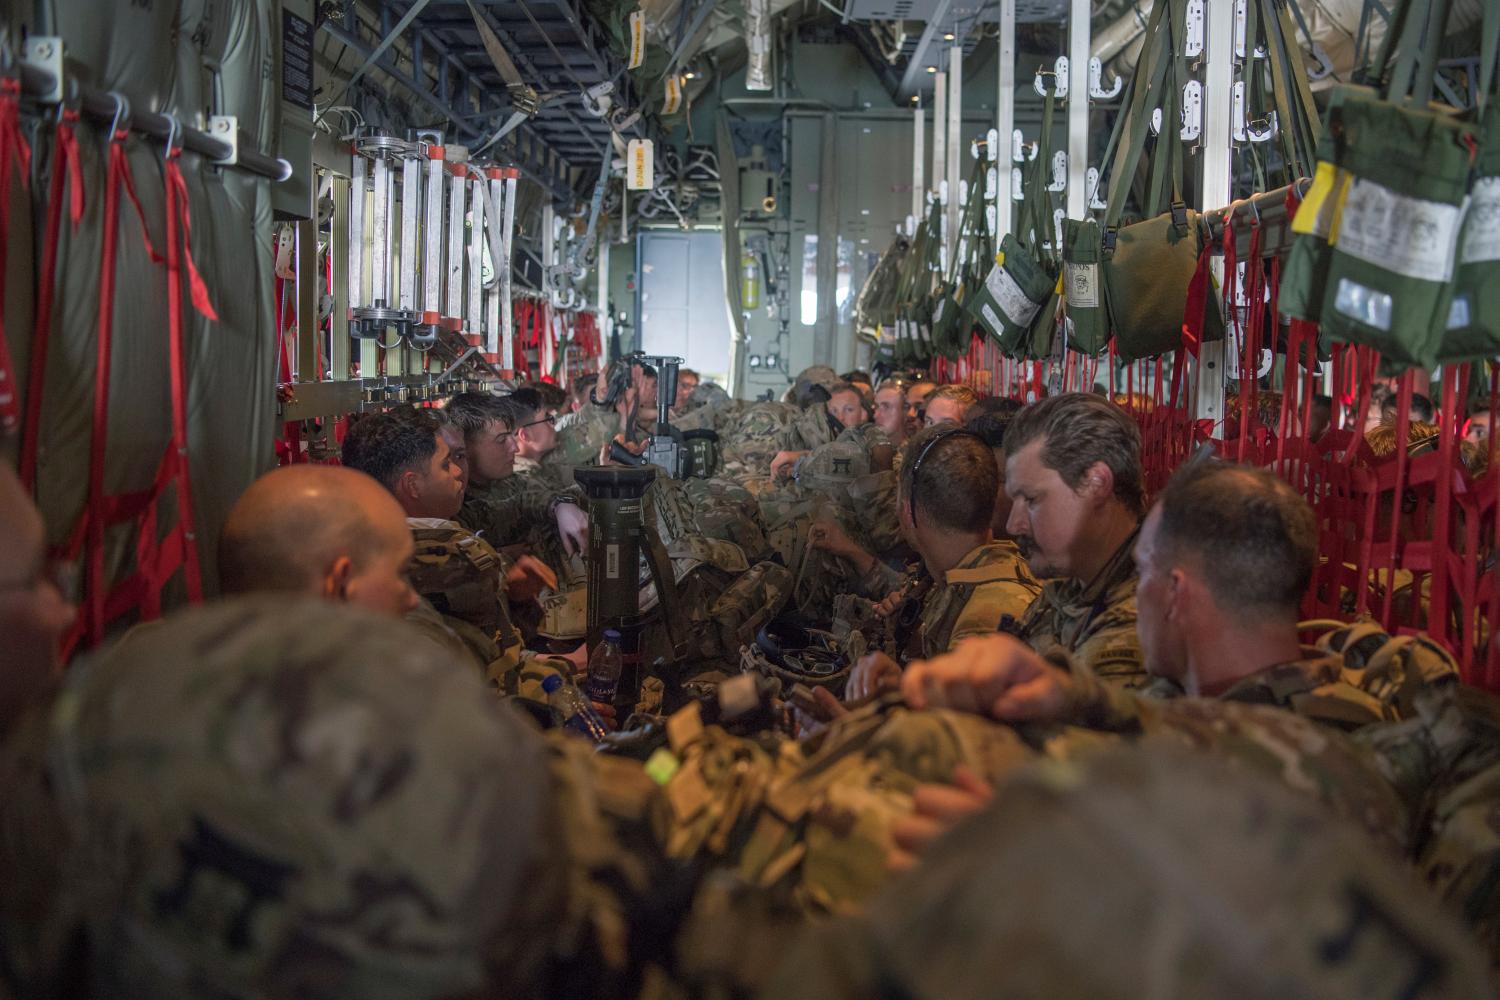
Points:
x=459, y=573
x=946, y=604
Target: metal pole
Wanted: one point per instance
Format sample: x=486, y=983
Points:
x=918, y=155
x=1078, y=107
x=940, y=158
x=955, y=140
x=1215, y=151
x=1005, y=101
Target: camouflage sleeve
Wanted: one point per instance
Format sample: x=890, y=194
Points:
x=880, y=582
x=989, y=605
x=508, y=511
x=581, y=435
x=1094, y=704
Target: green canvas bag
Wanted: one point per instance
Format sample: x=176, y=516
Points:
x=1083, y=286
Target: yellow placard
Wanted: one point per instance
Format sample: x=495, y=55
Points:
x=640, y=165
x=637, y=39
x=673, y=99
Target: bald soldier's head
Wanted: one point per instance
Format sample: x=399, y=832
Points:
x=319, y=530
x=33, y=612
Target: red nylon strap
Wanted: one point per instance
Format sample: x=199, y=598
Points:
x=65, y=175
x=14, y=153
x=1403, y=421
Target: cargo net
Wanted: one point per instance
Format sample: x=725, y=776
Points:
x=1407, y=507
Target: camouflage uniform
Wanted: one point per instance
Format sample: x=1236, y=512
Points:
x=1354, y=676
x=989, y=587
x=280, y=797
x=461, y=581
x=1095, y=623
x=811, y=428
x=582, y=434
x=750, y=440
x=1202, y=879
x=517, y=510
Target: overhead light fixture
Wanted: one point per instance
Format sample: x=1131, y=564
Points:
x=932, y=69
x=947, y=36
x=689, y=75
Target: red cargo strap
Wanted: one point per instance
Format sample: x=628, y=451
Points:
x=64, y=169
x=13, y=152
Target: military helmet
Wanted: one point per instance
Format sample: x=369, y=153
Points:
x=1145, y=871
x=814, y=385
x=273, y=797
x=833, y=465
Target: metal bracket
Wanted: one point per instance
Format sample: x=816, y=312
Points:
x=991, y=183
x=1193, y=45
x=1059, y=172
x=992, y=145
x=1019, y=148
x=1322, y=67
x=1192, y=110
x=226, y=128
x=1155, y=125
x=1059, y=74
x=1017, y=193
x=1091, y=185
x=45, y=53
x=1096, y=81
x=597, y=101
x=1240, y=28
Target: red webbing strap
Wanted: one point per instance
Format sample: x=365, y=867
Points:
x=15, y=155
x=1442, y=542
x=1403, y=420
x=66, y=177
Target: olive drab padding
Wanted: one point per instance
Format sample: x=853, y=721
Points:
x=1472, y=330
x=178, y=59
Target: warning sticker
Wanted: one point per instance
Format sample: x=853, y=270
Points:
x=1482, y=223
x=673, y=99
x=1083, y=285
x=1410, y=236
x=612, y=561
x=1008, y=296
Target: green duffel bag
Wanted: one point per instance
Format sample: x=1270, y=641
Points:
x=1146, y=277
x=1304, y=277
x=1083, y=286
x=1395, y=236
x=1473, y=327
x=1012, y=295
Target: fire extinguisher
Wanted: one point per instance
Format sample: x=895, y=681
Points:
x=749, y=282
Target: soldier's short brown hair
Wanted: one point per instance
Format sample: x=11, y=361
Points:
x=472, y=412
x=1078, y=429
x=1255, y=540
x=949, y=477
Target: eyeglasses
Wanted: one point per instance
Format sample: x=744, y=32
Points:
x=549, y=418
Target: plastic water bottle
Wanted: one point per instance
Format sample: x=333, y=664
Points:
x=577, y=714
x=604, y=670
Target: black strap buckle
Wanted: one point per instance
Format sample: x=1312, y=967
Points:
x=1179, y=217
x=1107, y=243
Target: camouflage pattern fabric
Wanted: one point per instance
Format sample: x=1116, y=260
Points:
x=281, y=798
x=515, y=511
x=990, y=586
x=1094, y=622
x=582, y=434
x=810, y=822
x=1306, y=907
x=830, y=468
x=724, y=509
x=810, y=429
x=872, y=506
x=750, y=442
x=460, y=579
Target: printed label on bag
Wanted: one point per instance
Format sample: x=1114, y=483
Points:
x=1482, y=223
x=1364, y=305
x=1409, y=236
x=1083, y=285
x=637, y=39
x=991, y=319
x=1008, y=296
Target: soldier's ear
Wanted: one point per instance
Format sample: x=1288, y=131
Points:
x=1098, y=482
x=336, y=579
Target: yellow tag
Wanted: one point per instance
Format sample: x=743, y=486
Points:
x=1340, y=197
x=640, y=165
x=1058, y=289
x=1315, y=213
x=637, y=39
x=673, y=98
x=999, y=258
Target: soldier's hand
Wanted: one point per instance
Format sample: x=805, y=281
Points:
x=889, y=604
x=527, y=578
x=827, y=534
x=874, y=673
x=936, y=810
x=994, y=675
x=607, y=713
x=784, y=462
x=573, y=528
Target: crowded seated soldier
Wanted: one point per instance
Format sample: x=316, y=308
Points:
x=1073, y=472
x=536, y=431
x=818, y=426
x=687, y=384
x=583, y=437
x=504, y=509
x=978, y=583
x=464, y=584
x=950, y=404
x=916, y=398
x=322, y=531
x=891, y=411
x=1224, y=559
